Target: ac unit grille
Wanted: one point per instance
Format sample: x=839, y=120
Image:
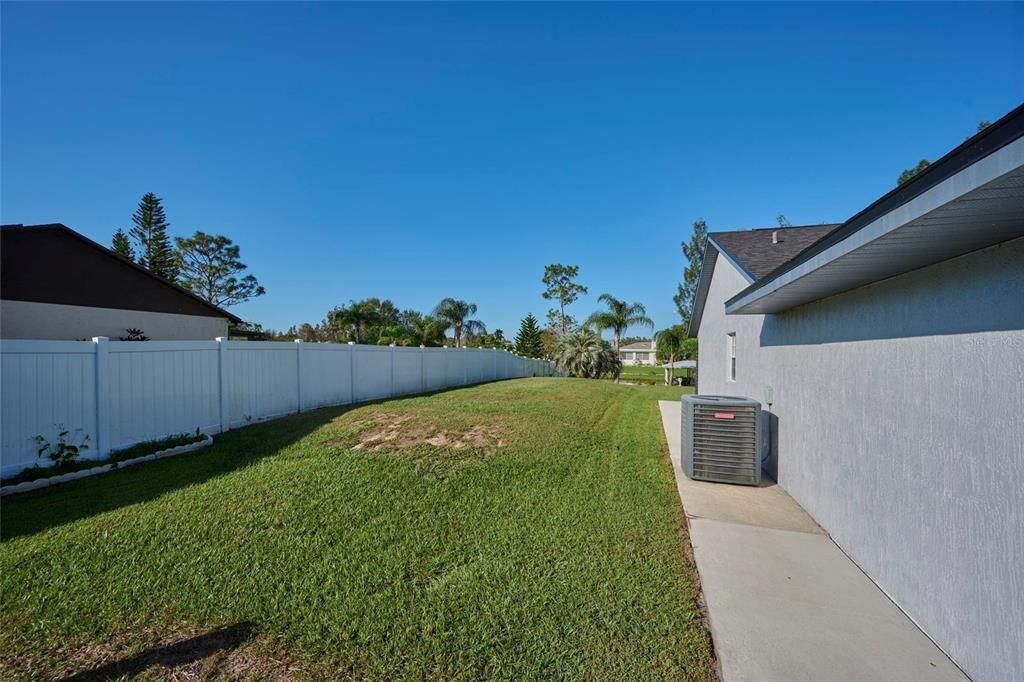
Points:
x=722, y=439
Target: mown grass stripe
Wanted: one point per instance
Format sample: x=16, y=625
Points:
x=558, y=554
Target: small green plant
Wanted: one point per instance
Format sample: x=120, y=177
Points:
x=68, y=463
x=65, y=450
x=135, y=334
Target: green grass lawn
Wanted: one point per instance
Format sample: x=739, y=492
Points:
x=525, y=529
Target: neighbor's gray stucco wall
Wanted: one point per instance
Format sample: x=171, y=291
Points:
x=52, y=321
x=899, y=415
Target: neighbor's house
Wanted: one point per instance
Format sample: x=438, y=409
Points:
x=56, y=284
x=888, y=352
x=639, y=353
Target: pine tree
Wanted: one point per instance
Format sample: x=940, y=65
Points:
x=122, y=246
x=209, y=265
x=560, y=281
x=694, y=254
x=151, y=239
x=528, y=340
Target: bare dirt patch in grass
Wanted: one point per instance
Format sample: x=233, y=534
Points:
x=387, y=432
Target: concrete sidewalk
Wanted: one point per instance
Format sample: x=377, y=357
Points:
x=784, y=602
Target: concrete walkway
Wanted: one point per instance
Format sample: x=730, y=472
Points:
x=784, y=602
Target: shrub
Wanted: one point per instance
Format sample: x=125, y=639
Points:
x=586, y=355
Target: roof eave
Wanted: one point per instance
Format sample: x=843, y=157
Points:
x=909, y=210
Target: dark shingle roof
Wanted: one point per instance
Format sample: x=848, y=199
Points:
x=754, y=251
x=637, y=345
x=54, y=264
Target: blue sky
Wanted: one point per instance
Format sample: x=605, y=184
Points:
x=415, y=151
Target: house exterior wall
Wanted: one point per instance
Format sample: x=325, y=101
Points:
x=897, y=414
x=637, y=357
x=53, y=321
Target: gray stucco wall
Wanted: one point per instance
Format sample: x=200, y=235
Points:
x=52, y=321
x=899, y=417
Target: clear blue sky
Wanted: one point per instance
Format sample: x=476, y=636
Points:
x=419, y=151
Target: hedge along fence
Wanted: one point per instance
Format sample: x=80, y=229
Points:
x=113, y=394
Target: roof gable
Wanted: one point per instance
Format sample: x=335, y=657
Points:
x=759, y=251
x=54, y=264
x=753, y=253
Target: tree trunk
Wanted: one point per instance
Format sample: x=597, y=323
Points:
x=616, y=337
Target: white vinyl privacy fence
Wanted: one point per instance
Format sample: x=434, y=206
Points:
x=118, y=393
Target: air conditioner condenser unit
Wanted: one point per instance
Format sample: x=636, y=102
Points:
x=722, y=439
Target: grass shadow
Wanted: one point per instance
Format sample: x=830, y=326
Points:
x=217, y=641
x=39, y=510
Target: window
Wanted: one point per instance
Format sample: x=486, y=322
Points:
x=730, y=341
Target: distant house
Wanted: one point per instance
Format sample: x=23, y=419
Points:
x=888, y=355
x=639, y=353
x=57, y=284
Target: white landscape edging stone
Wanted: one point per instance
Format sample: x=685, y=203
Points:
x=104, y=468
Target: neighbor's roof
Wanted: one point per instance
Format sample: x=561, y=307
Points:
x=637, y=345
x=54, y=264
x=971, y=198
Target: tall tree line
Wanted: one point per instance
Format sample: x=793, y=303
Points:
x=380, y=322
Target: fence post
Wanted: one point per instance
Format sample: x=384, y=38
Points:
x=423, y=369
x=222, y=365
x=298, y=372
x=102, y=396
x=465, y=367
x=392, y=353
x=352, y=371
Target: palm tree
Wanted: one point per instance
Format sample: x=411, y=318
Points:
x=619, y=316
x=357, y=317
x=585, y=354
x=669, y=345
x=453, y=315
x=424, y=329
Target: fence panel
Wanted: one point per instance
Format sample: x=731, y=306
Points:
x=46, y=386
x=161, y=388
x=435, y=368
x=408, y=371
x=262, y=380
x=326, y=374
x=372, y=372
